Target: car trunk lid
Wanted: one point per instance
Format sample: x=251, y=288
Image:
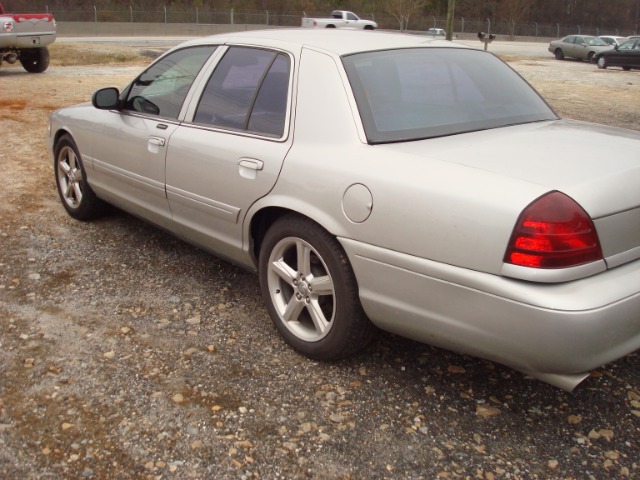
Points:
x=596, y=165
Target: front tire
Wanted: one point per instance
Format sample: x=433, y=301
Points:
x=76, y=195
x=558, y=54
x=590, y=57
x=311, y=291
x=35, y=60
x=602, y=63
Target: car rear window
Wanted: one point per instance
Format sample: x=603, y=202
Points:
x=412, y=94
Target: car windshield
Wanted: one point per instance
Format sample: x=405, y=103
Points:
x=412, y=94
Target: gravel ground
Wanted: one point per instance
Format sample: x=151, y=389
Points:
x=126, y=353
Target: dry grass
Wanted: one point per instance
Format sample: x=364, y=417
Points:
x=75, y=54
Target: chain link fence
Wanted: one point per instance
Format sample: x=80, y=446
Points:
x=274, y=19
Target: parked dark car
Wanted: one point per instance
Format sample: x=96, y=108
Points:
x=626, y=56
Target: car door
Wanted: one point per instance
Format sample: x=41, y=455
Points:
x=579, y=48
x=634, y=55
x=231, y=151
x=130, y=149
x=629, y=54
x=568, y=46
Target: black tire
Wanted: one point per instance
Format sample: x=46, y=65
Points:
x=626, y=69
x=602, y=62
x=369, y=27
x=35, y=60
x=330, y=26
x=76, y=195
x=324, y=288
x=590, y=57
x=558, y=54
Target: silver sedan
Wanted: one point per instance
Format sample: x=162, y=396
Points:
x=377, y=181
x=583, y=47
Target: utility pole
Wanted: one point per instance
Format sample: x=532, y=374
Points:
x=450, y=16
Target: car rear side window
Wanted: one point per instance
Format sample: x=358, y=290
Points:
x=162, y=89
x=248, y=91
x=412, y=94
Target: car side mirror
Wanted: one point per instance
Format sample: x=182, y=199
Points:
x=615, y=47
x=106, y=98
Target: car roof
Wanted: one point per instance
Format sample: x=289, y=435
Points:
x=337, y=41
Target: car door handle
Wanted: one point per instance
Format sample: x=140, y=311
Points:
x=158, y=141
x=249, y=167
x=251, y=163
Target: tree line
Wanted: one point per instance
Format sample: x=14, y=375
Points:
x=621, y=13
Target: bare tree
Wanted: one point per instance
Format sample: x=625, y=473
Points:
x=402, y=10
x=515, y=11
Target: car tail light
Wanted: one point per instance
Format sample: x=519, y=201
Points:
x=553, y=232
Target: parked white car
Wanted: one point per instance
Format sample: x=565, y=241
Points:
x=613, y=39
x=340, y=19
x=378, y=180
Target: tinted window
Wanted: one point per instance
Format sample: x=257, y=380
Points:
x=247, y=91
x=162, y=88
x=421, y=93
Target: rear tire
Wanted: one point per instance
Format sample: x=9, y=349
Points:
x=558, y=54
x=590, y=57
x=626, y=69
x=35, y=60
x=311, y=291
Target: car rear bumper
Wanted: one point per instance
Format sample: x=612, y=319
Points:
x=554, y=332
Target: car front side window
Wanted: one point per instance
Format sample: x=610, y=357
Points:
x=248, y=91
x=162, y=89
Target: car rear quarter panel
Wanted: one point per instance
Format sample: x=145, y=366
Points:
x=424, y=207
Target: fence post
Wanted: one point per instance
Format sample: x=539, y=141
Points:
x=95, y=14
x=267, y=16
x=165, y=14
x=558, y=30
x=488, y=25
x=578, y=29
x=197, y=16
x=131, y=13
x=434, y=21
x=462, y=29
x=232, y=17
x=536, y=29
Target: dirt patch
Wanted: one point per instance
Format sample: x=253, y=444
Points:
x=126, y=353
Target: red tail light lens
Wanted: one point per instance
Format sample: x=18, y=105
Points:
x=553, y=232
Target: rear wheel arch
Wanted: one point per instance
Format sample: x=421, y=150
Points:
x=264, y=218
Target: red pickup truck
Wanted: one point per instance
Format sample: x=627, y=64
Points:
x=24, y=37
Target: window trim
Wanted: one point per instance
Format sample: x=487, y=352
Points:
x=206, y=74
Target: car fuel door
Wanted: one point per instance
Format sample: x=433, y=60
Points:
x=231, y=152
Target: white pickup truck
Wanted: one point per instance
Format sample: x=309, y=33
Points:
x=24, y=37
x=339, y=19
